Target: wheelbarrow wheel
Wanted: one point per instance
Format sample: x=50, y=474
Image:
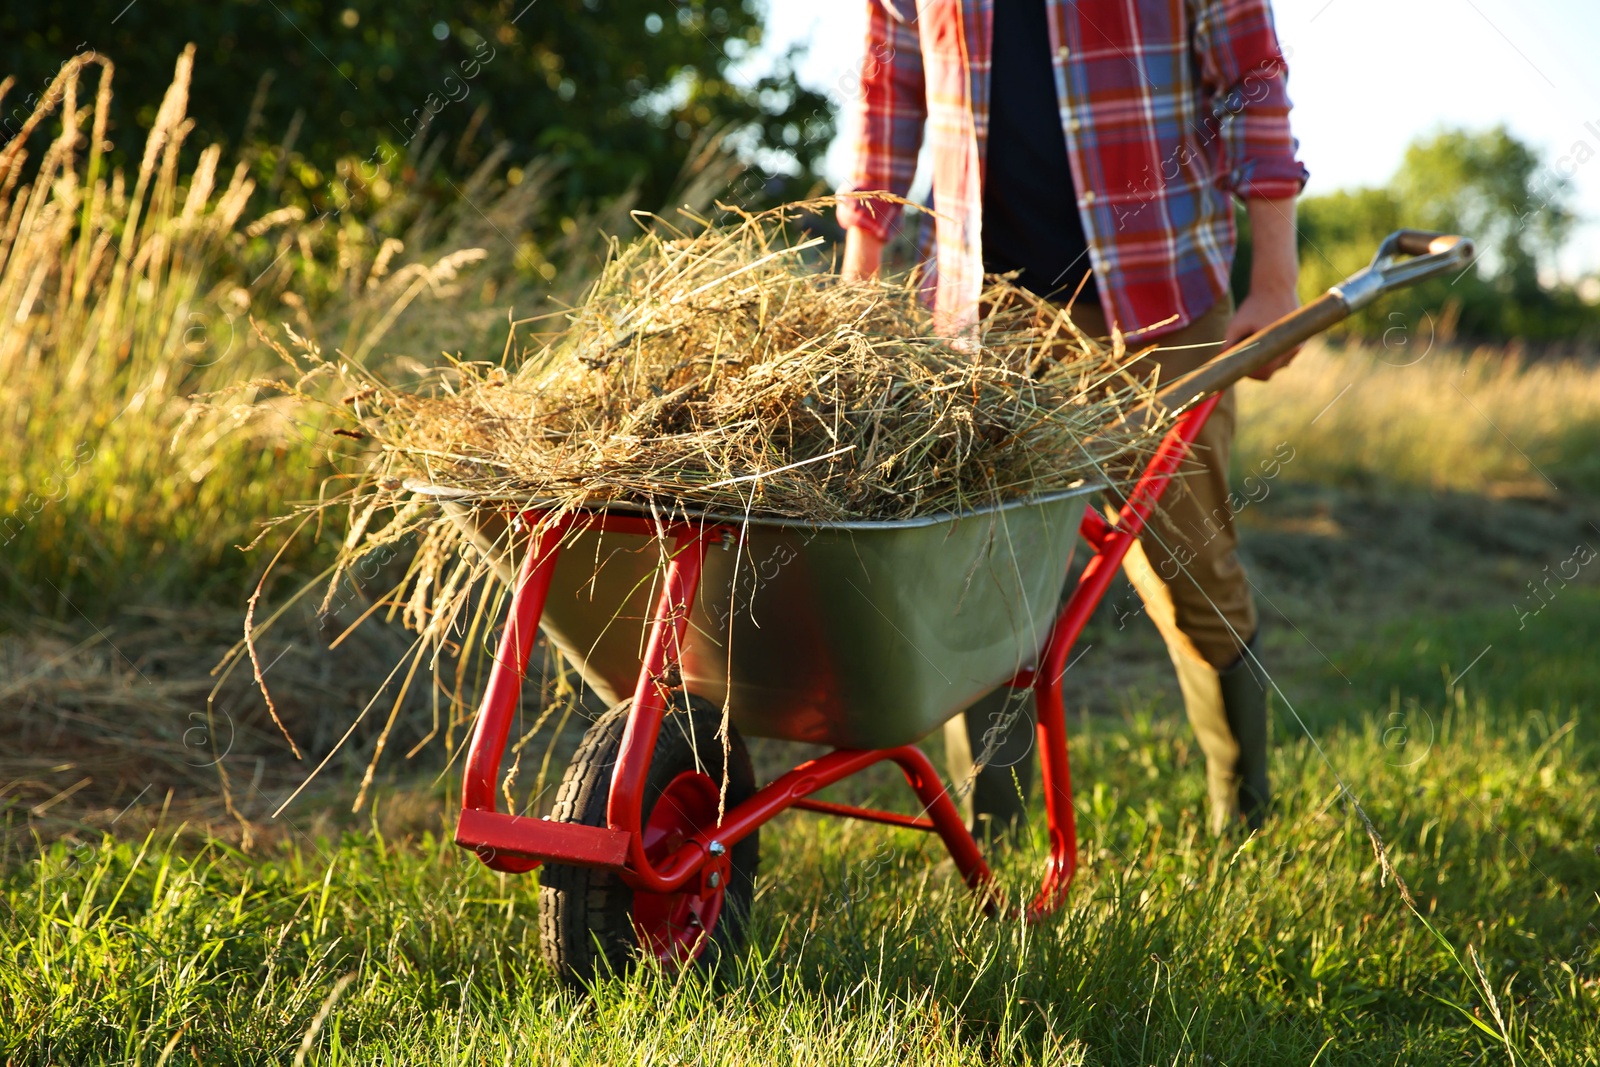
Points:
x=591, y=923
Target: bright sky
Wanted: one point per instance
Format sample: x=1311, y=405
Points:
x=1366, y=76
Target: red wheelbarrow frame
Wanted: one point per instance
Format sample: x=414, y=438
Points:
x=509, y=842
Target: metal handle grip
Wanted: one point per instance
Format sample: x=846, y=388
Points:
x=1422, y=243
x=1432, y=254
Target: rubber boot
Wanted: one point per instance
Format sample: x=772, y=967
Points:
x=1228, y=712
x=1244, y=699
x=989, y=753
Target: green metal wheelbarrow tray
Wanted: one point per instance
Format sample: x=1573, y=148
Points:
x=861, y=636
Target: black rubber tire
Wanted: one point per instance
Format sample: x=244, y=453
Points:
x=586, y=926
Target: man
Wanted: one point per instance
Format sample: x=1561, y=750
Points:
x=1101, y=142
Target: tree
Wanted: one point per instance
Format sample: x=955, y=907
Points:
x=1484, y=184
x=1492, y=186
x=1340, y=230
x=614, y=91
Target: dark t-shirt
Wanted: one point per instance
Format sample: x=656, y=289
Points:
x=1030, y=211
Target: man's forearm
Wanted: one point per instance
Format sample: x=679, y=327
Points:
x=1274, y=274
x=1274, y=252
x=863, y=254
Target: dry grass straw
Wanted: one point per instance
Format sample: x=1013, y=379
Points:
x=725, y=371
x=129, y=711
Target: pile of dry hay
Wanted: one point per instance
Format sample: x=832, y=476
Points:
x=725, y=371
x=722, y=371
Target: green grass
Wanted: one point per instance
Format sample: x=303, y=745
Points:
x=865, y=949
x=1528, y=661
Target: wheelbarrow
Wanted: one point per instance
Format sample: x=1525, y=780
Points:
x=860, y=636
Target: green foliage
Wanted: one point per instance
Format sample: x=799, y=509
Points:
x=616, y=92
x=1485, y=184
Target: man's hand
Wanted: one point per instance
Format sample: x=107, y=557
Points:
x=863, y=255
x=1256, y=312
x=1274, y=270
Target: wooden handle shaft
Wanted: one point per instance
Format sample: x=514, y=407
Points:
x=1255, y=351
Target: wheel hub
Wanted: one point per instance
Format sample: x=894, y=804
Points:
x=674, y=927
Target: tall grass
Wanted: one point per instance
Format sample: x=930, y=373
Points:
x=1480, y=420
x=102, y=292
x=126, y=299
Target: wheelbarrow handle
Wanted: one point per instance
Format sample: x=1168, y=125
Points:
x=1431, y=254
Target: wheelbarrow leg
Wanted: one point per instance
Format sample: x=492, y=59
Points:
x=659, y=675
x=1056, y=774
x=942, y=811
x=505, y=681
x=1111, y=544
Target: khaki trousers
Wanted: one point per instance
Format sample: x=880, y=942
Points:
x=1185, y=566
x=1187, y=573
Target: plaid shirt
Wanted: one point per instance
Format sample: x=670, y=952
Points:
x=1168, y=106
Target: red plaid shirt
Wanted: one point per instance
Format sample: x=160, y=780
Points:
x=1168, y=106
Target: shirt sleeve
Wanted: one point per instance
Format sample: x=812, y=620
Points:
x=890, y=110
x=1244, y=73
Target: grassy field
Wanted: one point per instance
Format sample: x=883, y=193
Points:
x=381, y=943
x=1427, y=892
